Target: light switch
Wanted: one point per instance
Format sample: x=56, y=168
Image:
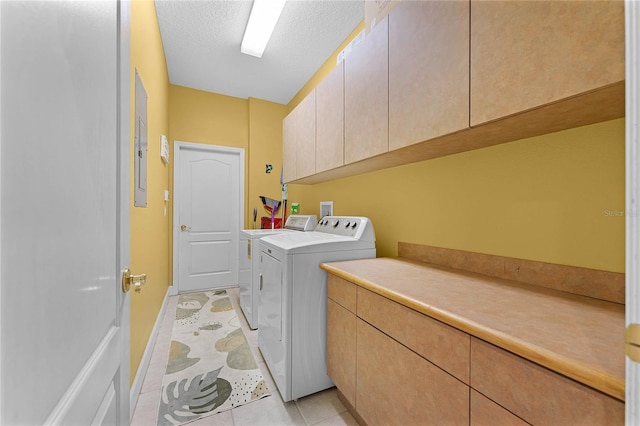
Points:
x=164, y=149
x=166, y=195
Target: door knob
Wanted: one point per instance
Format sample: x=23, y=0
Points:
x=185, y=228
x=129, y=279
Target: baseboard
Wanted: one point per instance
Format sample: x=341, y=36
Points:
x=146, y=358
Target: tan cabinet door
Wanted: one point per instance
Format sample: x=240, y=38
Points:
x=428, y=70
x=306, y=136
x=341, y=349
x=397, y=386
x=330, y=121
x=289, y=172
x=366, y=96
x=525, y=54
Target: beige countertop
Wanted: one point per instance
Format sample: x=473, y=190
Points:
x=577, y=336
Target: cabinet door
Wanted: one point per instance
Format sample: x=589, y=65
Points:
x=443, y=345
x=524, y=388
x=428, y=70
x=397, y=386
x=485, y=412
x=306, y=136
x=525, y=54
x=341, y=349
x=366, y=96
x=330, y=121
x=289, y=147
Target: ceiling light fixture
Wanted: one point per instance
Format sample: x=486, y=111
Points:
x=262, y=21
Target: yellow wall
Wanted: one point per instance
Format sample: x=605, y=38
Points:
x=265, y=145
x=150, y=225
x=554, y=198
x=252, y=124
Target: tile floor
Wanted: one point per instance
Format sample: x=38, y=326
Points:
x=323, y=408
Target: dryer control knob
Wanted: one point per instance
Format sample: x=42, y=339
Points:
x=346, y=225
x=336, y=223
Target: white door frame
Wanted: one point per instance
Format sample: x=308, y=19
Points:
x=177, y=147
x=632, y=82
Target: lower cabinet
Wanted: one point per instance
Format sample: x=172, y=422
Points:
x=397, y=386
x=341, y=349
x=389, y=375
x=485, y=412
x=536, y=394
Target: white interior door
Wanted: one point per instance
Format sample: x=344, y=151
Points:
x=208, y=188
x=64, y=226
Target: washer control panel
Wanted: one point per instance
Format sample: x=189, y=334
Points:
x=349, y=226
x=300, y=222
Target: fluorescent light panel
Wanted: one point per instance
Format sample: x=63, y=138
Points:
x=262, y=21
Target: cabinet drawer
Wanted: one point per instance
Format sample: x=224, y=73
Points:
x=536, y=394
x=396, y=386
x=485, y=412
x=342, y=292
x=441, y=344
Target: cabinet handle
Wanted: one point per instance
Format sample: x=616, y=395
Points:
x=260, y=282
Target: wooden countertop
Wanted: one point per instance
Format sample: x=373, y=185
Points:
x=579, y=337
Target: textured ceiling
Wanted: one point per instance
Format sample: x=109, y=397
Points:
x=202, y=45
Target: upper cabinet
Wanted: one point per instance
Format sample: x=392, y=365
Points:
x=306, y=136
x=428, y=70
x=330, y=121
x=436, y=78
x=299, y=140
x=525, y=54
x=366, y=96
x=289, y=171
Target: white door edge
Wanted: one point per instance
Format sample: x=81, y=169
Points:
x=177, y=147
x=632, y=82
x=123, y=242
x=0, y=212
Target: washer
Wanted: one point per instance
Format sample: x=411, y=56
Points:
x=250, y=261
x=292, y=324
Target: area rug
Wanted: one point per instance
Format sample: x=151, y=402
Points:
x=211, y=367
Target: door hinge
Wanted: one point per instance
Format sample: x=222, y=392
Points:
x=632, y=342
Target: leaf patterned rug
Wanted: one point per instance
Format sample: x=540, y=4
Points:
x=211, y=367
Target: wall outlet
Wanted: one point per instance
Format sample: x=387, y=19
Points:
x=326, y=208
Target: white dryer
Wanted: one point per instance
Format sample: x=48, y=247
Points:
x=250, y=261
x=292, y=324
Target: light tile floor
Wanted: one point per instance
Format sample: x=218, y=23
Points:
x=323, y=408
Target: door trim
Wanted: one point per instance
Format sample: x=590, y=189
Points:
x=632, y=231
x=178, y=146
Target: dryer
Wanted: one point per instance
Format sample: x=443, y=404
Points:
x=250, y=261
x=292, y=323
